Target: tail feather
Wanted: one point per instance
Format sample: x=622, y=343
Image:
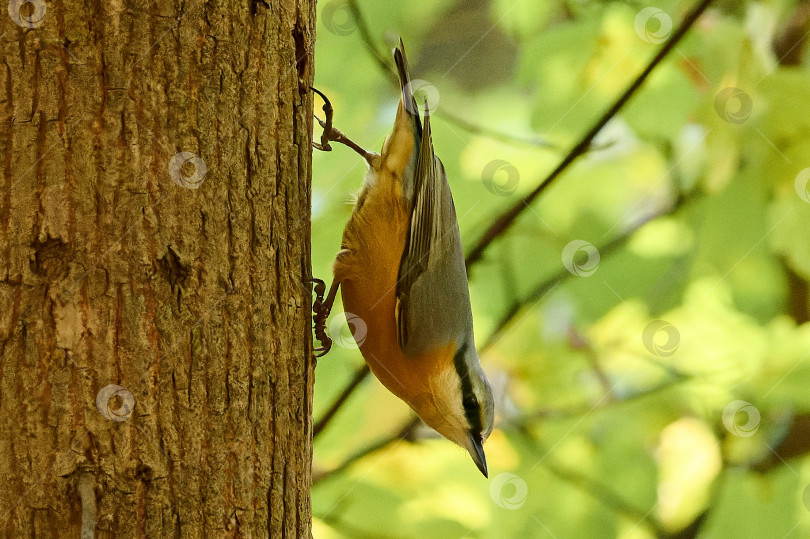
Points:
x=408, y=99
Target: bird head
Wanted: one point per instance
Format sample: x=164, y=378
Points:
x=457, y=402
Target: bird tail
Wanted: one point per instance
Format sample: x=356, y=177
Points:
x=408, y=99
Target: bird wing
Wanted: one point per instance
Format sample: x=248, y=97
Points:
x=433, y=304
x=421, y=238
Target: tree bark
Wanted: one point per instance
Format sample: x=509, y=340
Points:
x=155, y=338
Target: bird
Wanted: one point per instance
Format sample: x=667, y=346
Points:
x=402, y=274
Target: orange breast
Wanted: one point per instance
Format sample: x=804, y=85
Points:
x=368, y=269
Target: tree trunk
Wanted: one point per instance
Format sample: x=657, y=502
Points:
x=155, y=371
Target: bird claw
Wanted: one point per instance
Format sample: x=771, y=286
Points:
x=327, y=133
x=320, y=310
x=332, y=134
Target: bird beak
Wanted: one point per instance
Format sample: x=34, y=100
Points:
x=477, y=453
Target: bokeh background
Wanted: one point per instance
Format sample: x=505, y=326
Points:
x=644, y=323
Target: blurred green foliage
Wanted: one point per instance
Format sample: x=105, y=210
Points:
x=668, y=391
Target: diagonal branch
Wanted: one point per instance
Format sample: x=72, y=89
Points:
x=365, y=34
x=598, y=491
x=500, y=136
x=408, y=428
x=359, y=375
x=380, y=59
x=406, y=432
x=547, y=284
x=506, y=220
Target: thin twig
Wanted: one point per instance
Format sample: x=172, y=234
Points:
x=506, y=220
x=495, y=135
x=581, y=342
x=561, y=414
x=365, y=35
x=544, y=286
x=541, y=289
x=359, y=375
x=406, y=432
x=407, y=429
x=598, y=491
x=381, y=61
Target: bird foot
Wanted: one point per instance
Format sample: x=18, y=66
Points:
x=331, y=133
x=321, y=308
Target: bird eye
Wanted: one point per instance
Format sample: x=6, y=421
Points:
x=470, y=403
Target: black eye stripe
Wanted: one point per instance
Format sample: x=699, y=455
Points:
x=472, y=412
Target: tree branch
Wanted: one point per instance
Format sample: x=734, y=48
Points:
x=506, y=220
x=407, y=429
x=406, y=432
x=601, y=493
x=546, y=285
x=500, y=136
x=365, y=35
x=359, y=375
x=380, y=59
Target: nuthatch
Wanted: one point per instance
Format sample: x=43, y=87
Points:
x=402, y=271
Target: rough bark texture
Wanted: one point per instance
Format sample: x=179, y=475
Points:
x=113, y=274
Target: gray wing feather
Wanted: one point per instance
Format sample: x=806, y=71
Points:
x=433, y=304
